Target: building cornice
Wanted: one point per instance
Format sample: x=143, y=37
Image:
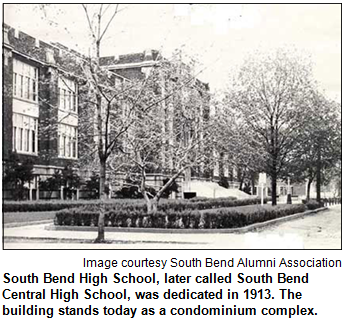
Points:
x=140, y=64
x=30, y=58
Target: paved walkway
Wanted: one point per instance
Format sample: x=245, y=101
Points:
x=319, y=231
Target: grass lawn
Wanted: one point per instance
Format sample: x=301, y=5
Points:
x=18, y=217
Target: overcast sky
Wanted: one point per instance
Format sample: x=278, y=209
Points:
x=219, y=36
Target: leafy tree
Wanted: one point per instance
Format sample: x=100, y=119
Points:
x=92, y=185
x=269, y=94
x=236, y=146
x=70, y=180
x=317, y=152
x=17, y=174
x=223, y=182
x=52, y=183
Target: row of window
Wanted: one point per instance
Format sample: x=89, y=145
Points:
x=25, y=85
x=68, y=141
x=67, y=100
x=25, y=80
x=25, y=138
x=67, y=94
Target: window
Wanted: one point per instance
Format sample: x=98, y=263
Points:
x=24, y=134
x=33, y=141
x=64, y=145
x=27, y=140
x=67, y=92
x=25, y=79
x=64, y=98
x=74, y=143
x=73, y=105
x=20, y=138
x=68, y=141
x=14, y=138
x=34, y=90
x=27, y=87
x=69, y=100
x=21, y=85
x=14, y=84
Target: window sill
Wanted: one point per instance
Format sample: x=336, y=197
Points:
x=25, y=153
x=68, y=158
x=68, y=111
x=34, y=102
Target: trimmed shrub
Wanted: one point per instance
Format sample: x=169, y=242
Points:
x=312, y=205
x=38, y=206
x=124, y=205
x=221, y=218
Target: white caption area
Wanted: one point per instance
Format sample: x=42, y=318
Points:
x=171, y=284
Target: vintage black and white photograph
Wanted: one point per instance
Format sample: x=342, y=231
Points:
x=171, y=126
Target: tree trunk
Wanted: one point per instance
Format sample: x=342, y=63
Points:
x=100, y=237
x=253, y=183
x=242, y=177
x=241, y=185
x=148, y=205
x=273, y=169
x=308, y=188
x=155, y=205
x=274, y=188
x=151, y=205
x=318, y=176
x=274, y=180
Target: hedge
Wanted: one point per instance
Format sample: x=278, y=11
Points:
x=313, y=203
x=124, y=205
x=38, y=206
x=222, y=218
x=42, y=206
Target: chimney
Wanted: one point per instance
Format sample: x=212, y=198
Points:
x=50, y=56
x=148, y=54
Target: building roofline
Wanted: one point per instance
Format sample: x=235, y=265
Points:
x=148, y=63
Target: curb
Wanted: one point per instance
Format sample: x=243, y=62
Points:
x=19, y=224
x=186, y=231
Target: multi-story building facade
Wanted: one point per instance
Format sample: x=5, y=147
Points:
x=43, y=102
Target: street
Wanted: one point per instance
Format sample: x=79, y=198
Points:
x=315, y=231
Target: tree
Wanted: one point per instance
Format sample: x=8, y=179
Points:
x=173, y=136
x=269, y=94
x=110, y=107
x=317, y=152
x=236, y=146
x=92, y=186
x=70, y=180
x=52, y=183
x=17, y=174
